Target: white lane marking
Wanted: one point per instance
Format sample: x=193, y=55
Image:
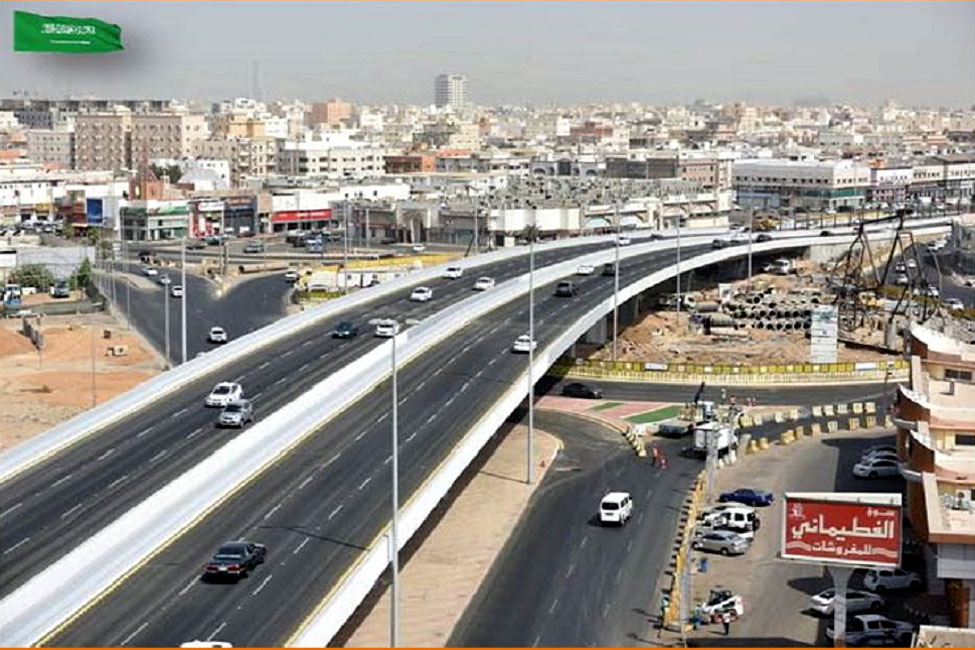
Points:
x=68, y=513
x=117, y=481
x=302, y=485
x=619, y=574
x=431, y=418
x=360, y=436
x=300, y=546
x=61, y=480
x=17, y=545
x=332, y=460
x=10, y=509
x=257, y=395
x=629, y=545
x=178, y=413
x=493, y=361
x=194, y=433
x=239, y=378
x=403, y=401
x=304, y=367
x=571, y=569
x=465, y=385
x=262, y=585
x=308, y=342
x=584, y=541
x=382, y=417
x=537, y=639
x=134, y=634
x=420, y=386
x=450, y=401
x=106, y=454
x=182, y=592
x=144, y=432
x=288, y=353
x=272, y=511
x=605, y=610
x=639, y=517
x=552, y=608
x=264, y=365
x=437, y=371
x=217, y=631
x=281, y=381
x=388, y=460
x=334, y=512
x=159, y=455
x=478, y=373
x=412, y=435
x=364, y=483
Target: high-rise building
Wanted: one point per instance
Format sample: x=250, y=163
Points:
x=450, y=90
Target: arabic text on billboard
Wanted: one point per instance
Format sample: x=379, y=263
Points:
x=841, y=532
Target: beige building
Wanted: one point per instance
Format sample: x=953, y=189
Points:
x=165, y=135
x=333, y=112
x=248, y=157
x=51, y=147
x=103, y=140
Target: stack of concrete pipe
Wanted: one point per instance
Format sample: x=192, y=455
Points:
x=757, y=310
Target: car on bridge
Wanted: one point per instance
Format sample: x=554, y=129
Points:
x=749, y=497
x=217, y=335
x=718, y=244
x=623, y=240
x=195, y=244
x=177, y=291
x=345, y=330
x=224, y=393
x=524, y=344
x=149, y=272
x=483, y=284
x=234, y=560
x=236, y=414
x=763, y=237
x=580, y=390
x=387, y=328
x=585, y=269
x=566, y=289
x=421, y=294
x=164, y=280
x=453, y=272
x=609, y=269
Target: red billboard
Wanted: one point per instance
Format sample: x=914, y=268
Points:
x=853, y=529
x=301, y=215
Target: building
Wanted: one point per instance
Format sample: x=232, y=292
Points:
x=411, y=164
x=165, y=135
x=450, y=92
x=809, y=184
x=51, y=147
x=330, y=154
x=935, y=420
x=334, y=112
x=890, y=184
x=104, y=140
x=711, y=171
x=246, y=157
x=154, y=220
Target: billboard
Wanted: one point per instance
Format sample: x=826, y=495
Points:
x=843, y=528
x=95, y=211
x=823, y=334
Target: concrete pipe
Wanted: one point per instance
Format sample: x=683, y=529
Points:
x=772, y=305
x=706, y=307
x=807, y=313
x=761, y=312
x=779, y=326
x=807, y=324
x=720, y=320
x=799, y=324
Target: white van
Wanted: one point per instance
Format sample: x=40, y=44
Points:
x=616, y=508
x=733, y=516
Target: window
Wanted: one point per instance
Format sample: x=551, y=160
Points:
x=967, y=440
x=959, y=375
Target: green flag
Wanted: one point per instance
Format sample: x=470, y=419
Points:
x=35, y=33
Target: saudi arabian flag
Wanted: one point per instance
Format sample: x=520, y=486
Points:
x=35, y=33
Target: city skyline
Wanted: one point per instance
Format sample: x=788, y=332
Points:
x=655, y=53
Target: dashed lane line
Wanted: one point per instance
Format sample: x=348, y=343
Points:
x=118, y=481
x=272, y=511
x=135, y=634
x=308, y=480
x=68, y=513
x=61, y=480
x=217, y=631
x=17, y=545
x=300, y=546
x=178, y=413
x=334, y=512
x=158, y=456
x=332, y=460
x=551, y=610
x=10, y=509
x=262, y=585
x=182, y=592
x=106, y=454
x=364, y=483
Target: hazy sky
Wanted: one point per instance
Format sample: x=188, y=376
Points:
x=515, y=52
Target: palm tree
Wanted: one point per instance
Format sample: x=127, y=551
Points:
x=530, y=233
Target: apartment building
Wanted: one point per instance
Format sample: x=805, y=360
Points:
x=247, y=157
x=410, y=164
x=935, y=420
x=710, y=171
x=165, y=135
x=331, y=113
x=809, y=184
x=330, y=154
x=104, y=140
x=450, y=91
x=51, y=147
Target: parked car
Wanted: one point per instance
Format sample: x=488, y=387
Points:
x=61, y=290
x=291, y=276
x=881, y=454
x=421, y=294
x=616, y=508
x=235, y=560
x=953, y=304
x=856, y=601
x=345, y=330
x=484, y=283
x=584, y=391
x=725, y=542
x=524, y=344
x=749, y=497
x=387, y=328
x=722, y=600
x=453, y=272
x=418, y=248
x=206, y=644
x=881, y=580
x=254, y=247
x=874, y=630
x=566, y=289
x=177, y=291
x=875, y=468
x=873, y=449
x=224, y=393
x=236, y=414
x=217, y=335
x=585, y=269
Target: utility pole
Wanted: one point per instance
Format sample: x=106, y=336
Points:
x=616, y=286
x=166, y=290
x=182, y=268
x=678, y=270
x=751, y=235
x=531, y=349
x=394, y=533
x=345, y=247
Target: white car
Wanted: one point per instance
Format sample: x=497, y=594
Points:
x=217, y=335
x=911, y=264
x=291, y=276
x=483, y=284
x=176, y=291
x=206, y=644
x=873, y=449
x=873, y=629
x=723, y=600
x=880, y=454
x=453, y=272
x=421, y=294
x=902, y=280
x=623, y=240
x=387, y=328
x=856, y=601
x=954, y=304
x=418, y=248
x=616, y=508
x=149, y=271
x=524, y=344
x=880, y=580
x=585, y=269
x=875, y=468
x=164, y=280
x=224, y=393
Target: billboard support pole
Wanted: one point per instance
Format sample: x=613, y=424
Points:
x=841, y=578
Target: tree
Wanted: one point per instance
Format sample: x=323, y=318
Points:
x=33, y=275
x=530, y=233
x=81, y=278
x=172, y=171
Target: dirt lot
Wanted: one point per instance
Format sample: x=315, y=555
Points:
x=38, y=390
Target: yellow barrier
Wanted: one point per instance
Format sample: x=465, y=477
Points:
x=763, y=443
x=814, y=429
x=745, y=421
x=800, y=431
x=757, y=418
x=853, y=424
x=871, y=407
x=788, y=437
x=889, y=422
x=794, y=414
x=752, y=447
x=832, y=426
x=858, y=408
x=871, y=422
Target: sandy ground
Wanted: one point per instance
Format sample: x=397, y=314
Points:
x=39, y=390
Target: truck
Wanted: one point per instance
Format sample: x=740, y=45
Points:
x=725, y=436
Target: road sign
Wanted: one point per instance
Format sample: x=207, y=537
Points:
x=843, y=528
x=823, y=334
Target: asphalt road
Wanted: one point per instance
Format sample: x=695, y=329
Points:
x=83, y=488
x=324, y=503
x=564, y=580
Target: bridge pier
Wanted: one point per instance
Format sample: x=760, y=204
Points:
x=598, y=334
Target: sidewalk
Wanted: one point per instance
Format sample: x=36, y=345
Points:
x=445, y=572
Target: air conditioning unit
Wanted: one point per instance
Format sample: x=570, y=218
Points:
x=962, y=500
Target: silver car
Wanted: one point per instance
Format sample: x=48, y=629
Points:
x=725, y=542
x=236, y=414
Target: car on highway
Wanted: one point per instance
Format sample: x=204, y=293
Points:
x=217, y=334
x=953, y=304
x=725, y=542
x=900, y=267
x=585, y=269
x=387, y=328
x=911, y=263
x=566, y=289
x=164, y=280
x=149, y=272
x=236, y=414
x=195, y=244
x=483, y=284
x=176, y=291
x=718, y=244
x=874, y=630
x=224, y=393
x=421, y=294
x=748, y=496
x=235, y=559
x=524, y=344
x=453, y=272
x=616, y=508
x=623, y=240
x=609, y=269
x=418, y=248
x=875, y=468
x=345, y=330
x=213, y=240
x=763, y=237
x=206, y=644
x=291, y=276
x=254, y=247
x=856, y=601
x=584, y=391
x=881, y=580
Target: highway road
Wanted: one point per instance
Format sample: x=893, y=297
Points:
x=325, y=502
x=564, y=580
x=83, y=488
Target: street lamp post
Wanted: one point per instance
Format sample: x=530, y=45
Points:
x=531, y=351
x=678, y=270
x=394, y=541
x=751, y=233
x=166, y=312
x=616, y=286
x=182, y=268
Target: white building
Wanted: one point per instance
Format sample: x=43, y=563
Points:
x=808, y=184
x=450, y=91
x=331, y=154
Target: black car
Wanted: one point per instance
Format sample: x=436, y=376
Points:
x=719, y=243
x=826, y=233
x=566, y=289
x=763, y=237
x=581, y=390
x=345, y=330
x=656, y=236
x=234, y=560
x=609, y=269
x=195, y=244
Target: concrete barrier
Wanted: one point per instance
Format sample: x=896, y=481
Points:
x=832, y=426
x=853, y=424
x=814, y=429
x=817, y=411
x=763, y=443
x=858, y=408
